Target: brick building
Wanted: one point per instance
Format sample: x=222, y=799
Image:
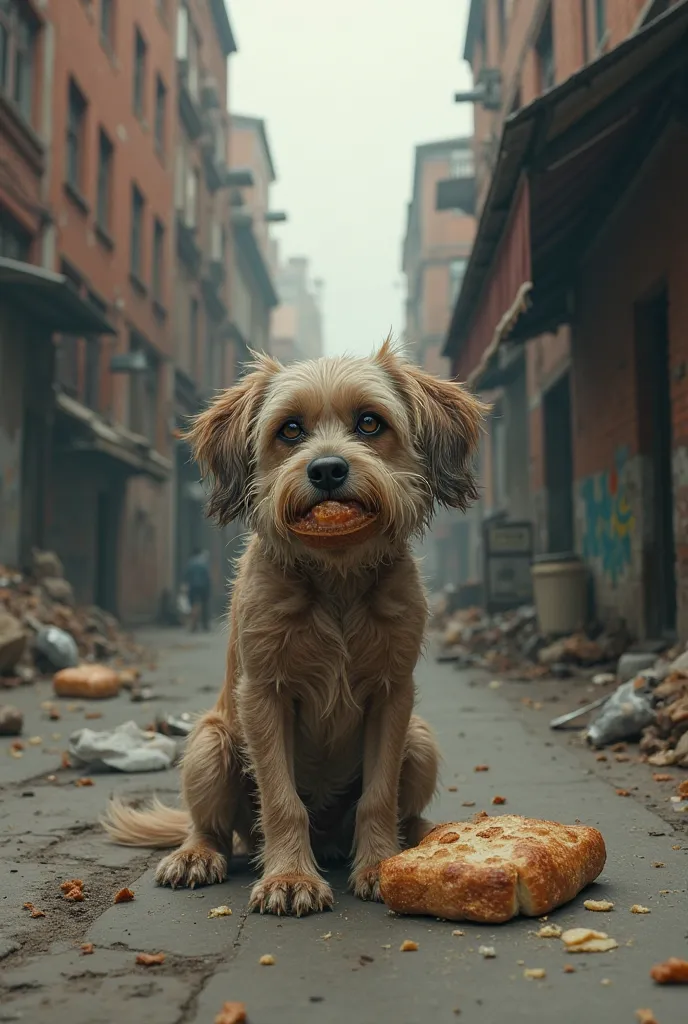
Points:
x=296, y=330
x=439, y=233
x=571, y=307
x=200, y=313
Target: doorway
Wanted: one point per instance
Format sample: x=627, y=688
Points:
x=656, y=444
x=107, y=525
x=559, y=465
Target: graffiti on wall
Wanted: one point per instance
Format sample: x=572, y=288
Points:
x=608, y=520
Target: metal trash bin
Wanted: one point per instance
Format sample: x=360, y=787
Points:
x=560, y=591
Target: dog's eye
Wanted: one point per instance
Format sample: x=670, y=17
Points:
x=369, y=425
x=290, y=431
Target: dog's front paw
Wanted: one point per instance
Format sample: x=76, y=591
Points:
x=192, y=865
x=365, y=883
x=291, y=894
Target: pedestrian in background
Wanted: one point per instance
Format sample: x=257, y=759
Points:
x=197, y=579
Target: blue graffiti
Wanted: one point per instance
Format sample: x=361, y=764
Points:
x=609, y=522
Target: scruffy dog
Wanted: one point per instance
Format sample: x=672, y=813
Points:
x=312, y=750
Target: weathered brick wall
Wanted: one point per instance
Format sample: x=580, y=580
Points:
x=645, y=245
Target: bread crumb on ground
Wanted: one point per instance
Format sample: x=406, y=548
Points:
x=408, y=946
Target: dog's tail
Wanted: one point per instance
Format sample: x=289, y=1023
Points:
x=157, y=826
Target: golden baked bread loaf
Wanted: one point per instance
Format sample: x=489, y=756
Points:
x=493, y=868
x=94, y=681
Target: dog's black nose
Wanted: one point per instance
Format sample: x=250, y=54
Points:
x=328, y=473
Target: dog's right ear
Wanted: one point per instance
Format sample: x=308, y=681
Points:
x=221, y=440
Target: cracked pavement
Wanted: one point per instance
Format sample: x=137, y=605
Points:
x=340, y=967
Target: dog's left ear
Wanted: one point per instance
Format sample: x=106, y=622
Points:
x=446, y=421
x=221, y=439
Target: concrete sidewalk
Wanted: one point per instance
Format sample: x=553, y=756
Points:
x=344, y=966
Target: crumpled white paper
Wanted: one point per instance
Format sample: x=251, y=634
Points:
x=124, y=749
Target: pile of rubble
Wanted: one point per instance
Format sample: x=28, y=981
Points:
x=509, y=643
x=42, y=629
x=665, y=740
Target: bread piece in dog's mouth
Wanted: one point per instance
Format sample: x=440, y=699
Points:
x=332, y=524
x=492, y=869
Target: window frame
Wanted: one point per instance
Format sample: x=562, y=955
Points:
x=75, y=136
x=105, y=146
x=158, y=261
x=16, y=75
x=107, y=24
x=136, y=232
x=140, y=71
x=160, y=113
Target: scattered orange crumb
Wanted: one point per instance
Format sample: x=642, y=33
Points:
x=65, y=762
x=569, y=969
x=535, y=973
x=267, y=960
x=672, y=972
x=87, y=948
x=124, y=896
x=676, y=846
x=232, y=1013
x=91, y=715
x=84, y=782
x=618, y=747
x=622, y=758
x=482, y=768
x=662, y=777
x=622, y=792
x=658, y=864
x=408, y=946
x=601, y=757
x=35, y=912
x=72, y=883
x=637, y=908
x=150, y=959
x=452, y=789
x=75, y=895
x=54, y=715
x=16, y=745
x=682, y=789
x=646, y=1017
x=498, y=800
x=468, y=803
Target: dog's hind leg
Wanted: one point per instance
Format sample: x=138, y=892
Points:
x=418, y=781
x=214, y=790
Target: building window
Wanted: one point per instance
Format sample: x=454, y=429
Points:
x=15, y=243
x=17, y=46
x=600, y=21
x=502, y=16
x=76, y=124
x=457, y=269
x=104, y=196
x=160, y=108
x=545, y=53
x=193, y=192
x=461, y=163
x=585, y=32
x=193, y=337
x=140, y=49
x=143, y=393
x=158, y=259
x=107, y=23
x=138, y=205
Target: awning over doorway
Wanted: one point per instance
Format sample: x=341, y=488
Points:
x=564, y=162
x=50, y=298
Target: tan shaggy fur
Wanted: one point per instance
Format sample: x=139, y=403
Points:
x=313, y=750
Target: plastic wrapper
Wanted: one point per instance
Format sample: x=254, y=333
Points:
x=57, y=647
x=126, y=749
x=629, y=709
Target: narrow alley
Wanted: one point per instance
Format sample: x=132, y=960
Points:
x=345, y=965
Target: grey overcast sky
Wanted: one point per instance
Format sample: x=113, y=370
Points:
x=347, y=91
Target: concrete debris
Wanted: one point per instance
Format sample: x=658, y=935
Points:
x=11, y=720
x=42, y=629
x=510, y=644
x=12, y=640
